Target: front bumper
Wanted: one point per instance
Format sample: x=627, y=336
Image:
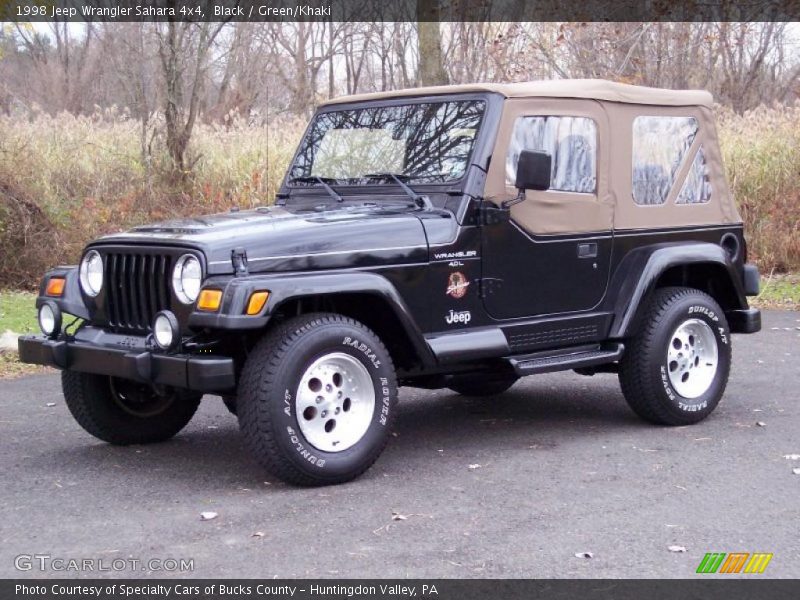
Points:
x=201, y=373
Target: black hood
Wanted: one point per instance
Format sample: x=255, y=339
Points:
x=281, y=239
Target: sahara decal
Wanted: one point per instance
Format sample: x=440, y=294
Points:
x=457, y=285
x=462, y=316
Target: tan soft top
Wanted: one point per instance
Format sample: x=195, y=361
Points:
x=599, y=89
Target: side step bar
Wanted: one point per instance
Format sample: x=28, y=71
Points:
x=575, y=359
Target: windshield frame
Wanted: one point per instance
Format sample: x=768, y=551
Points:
x=479, y=154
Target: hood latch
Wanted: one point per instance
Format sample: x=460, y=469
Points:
x=239, y=261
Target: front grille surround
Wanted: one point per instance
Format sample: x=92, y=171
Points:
x=137, y=283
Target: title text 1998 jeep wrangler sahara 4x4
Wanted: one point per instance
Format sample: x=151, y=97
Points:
x=457, y=237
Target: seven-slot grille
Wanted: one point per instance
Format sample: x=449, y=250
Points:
x=138, y=287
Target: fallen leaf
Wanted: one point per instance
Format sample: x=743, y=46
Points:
x=208, y=515
x=761, y=423
x=398, y=517
x=584, y=555
x=51, y=404
x=258, y=534
x=677, y=548
x=474, y=466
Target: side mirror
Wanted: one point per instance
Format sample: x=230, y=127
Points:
x=533, y=170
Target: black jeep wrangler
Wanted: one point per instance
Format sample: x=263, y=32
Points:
x=458, y=237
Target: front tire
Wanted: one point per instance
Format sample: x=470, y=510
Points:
x=317, y=399
x=675, y=370
x=123, y=412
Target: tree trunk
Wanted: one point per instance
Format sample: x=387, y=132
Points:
x=429, y=40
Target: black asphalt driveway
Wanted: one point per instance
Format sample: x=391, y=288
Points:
x=510, y=487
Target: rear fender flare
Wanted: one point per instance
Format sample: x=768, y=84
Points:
x=637, y=275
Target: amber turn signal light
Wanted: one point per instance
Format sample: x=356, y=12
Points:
x=55, y=287
x=209, y=300
x=257, y=302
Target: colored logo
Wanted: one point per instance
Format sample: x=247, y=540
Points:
x=735, y=562
x=457, y=285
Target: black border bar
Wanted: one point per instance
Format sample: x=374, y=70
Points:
x=753, y=588
x=399, y=10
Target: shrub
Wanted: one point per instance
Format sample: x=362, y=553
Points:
x=66, y=179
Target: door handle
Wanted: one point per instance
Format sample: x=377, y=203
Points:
x=587, y=250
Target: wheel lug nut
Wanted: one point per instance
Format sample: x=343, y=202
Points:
x=319, y=399
x=339, y=395
x=329, y=388
x=324, y=413
x=336, y=412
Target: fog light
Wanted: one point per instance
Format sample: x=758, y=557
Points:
x=50, y=319
x=166, y=331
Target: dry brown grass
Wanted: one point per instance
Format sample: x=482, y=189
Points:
x=65, y=180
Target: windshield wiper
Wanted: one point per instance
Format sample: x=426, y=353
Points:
x=322, y=181
x=419, y=200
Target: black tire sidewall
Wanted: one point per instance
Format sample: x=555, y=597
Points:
x=692, y=306
x=367, y=349
x=90, y=400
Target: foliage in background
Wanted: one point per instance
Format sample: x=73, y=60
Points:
x=761, y=151
x=66, y=179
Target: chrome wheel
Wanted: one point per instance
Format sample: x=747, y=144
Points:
x=692, y=358
x=335, y=402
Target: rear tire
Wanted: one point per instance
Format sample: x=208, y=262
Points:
x=675, y=369
x=316, y=399
x=124, y=412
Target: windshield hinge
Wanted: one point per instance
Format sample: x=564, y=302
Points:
x=239, y=261
x=489, y=214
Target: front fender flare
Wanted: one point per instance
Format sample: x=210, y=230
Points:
x=284, y=287
x=71, y=302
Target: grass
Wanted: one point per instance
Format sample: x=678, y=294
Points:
x=779, y=291
x=17, y=312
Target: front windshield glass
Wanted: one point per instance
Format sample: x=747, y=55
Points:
x=425, y=143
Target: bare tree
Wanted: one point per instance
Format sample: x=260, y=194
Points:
x=429, y=38
x=184, y=51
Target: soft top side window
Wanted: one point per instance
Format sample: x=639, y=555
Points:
x=697, y=186
x=660, y=145
x=570, y=141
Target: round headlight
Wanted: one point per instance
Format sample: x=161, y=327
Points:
x=50, y=319
x=91, y=273
x=165, y=330
x=187, y=278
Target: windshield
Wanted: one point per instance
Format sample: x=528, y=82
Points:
x=426, y=143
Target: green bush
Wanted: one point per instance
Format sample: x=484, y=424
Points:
x=66, y=179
